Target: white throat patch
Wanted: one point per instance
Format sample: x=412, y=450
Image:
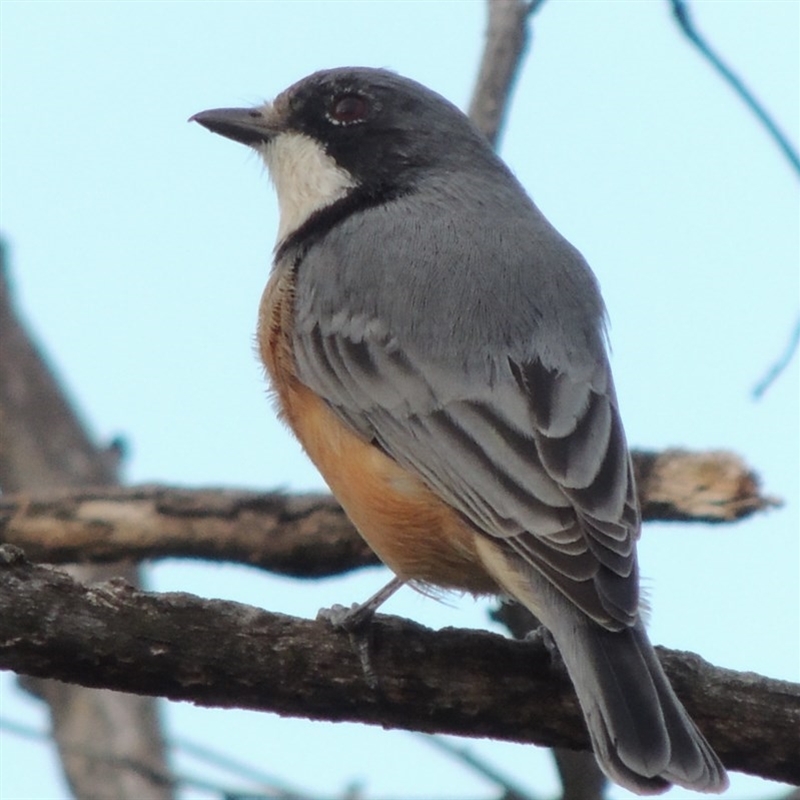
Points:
x=306, y=179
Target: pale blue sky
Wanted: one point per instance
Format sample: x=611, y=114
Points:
x=140, y=246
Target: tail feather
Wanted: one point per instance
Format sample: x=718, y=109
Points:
x=641, y=734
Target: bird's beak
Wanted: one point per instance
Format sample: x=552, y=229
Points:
x=251, y=126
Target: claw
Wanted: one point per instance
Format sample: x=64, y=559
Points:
x=355, y=621
x=542, y=635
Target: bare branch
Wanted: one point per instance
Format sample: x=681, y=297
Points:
x=683, y=486
x=217, y=653
x=44, y=444
x=506, y=43
x=307, y=535
x=680, y=10
x=303, y=536
x=780, y=365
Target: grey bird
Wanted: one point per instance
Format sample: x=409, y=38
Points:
x=439, y=350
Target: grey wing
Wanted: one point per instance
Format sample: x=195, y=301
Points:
x=532, y=456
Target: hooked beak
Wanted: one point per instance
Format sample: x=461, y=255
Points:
x=250, y=126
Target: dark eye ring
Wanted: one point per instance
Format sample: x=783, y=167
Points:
x=348, y=109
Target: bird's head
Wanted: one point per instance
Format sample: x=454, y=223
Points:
x=347, y=130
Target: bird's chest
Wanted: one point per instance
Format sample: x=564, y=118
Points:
x=274, y=335
x=414, y=532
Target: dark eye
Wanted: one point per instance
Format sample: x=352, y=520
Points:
x=347, y=109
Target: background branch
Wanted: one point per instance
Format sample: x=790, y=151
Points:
x=308, y=535
x=507, y=37
x=680, y=10
x=683, y=17
x=44, y=444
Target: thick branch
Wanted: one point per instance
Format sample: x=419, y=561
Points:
x=42, y=439
x=217, y=653
x=302, y=536
x=43, y=444
x=307, y=535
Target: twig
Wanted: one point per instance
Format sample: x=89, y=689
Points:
x=780, y=365
x=479, y=765
x=680, y=9
x=207, y=755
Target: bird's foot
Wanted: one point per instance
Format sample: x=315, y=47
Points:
x=542, y=635
x=356, y=622
x=350, y=619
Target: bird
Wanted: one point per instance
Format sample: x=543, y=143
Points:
x=440, y=352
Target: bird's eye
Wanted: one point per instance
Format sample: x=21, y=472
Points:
x=347, y=109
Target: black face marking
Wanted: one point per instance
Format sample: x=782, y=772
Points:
x=325, y=218
x=383, y=130
x=389, y=134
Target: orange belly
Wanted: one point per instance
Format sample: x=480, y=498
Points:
x=416, y=534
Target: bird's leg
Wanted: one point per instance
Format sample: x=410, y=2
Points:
x=355, y=621
x=542, y=635
x=525, y=625
x=359, y=615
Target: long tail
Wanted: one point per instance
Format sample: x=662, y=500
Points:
x=642, y=735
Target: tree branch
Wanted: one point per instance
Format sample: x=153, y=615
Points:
x=301, y=536
x=307, y=535
x=683, y=17
x=507, y=38
x=217, y=653
x=43, y=444
x=682, y=486
x=680, y=11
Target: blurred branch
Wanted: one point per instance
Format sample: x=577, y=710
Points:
x=269, y=785
x=308, y=536
x=106, y=758
x=217, y=653
x=481, y=767
x=680, y=10
x=580, y=775
x=96, y=756
x=683, y=486
x=780, y=365
x=43, y=444
x=507, y=37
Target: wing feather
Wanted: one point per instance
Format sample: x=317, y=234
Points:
x=533, y=457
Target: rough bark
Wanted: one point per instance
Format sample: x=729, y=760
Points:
x=217, y=653
x=308, y=535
